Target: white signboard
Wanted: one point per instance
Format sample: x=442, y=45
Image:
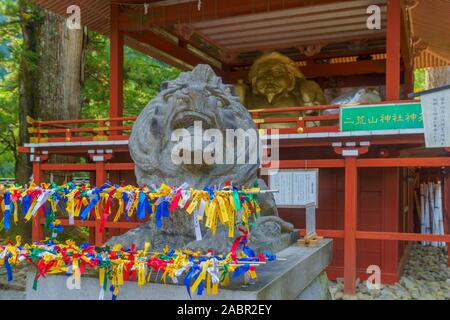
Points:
x=297, y=188
x=310, y=220
x=436, y=118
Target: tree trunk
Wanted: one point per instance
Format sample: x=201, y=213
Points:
x=60, y=76
x=51, y=85
x=437, y=77
x=27, y=80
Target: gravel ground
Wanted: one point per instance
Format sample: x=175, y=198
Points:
x=16, y=289
x=426, y=277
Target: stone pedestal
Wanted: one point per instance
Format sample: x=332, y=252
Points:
x=300, y=276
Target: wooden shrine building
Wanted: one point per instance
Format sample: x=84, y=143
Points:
x=367, y=178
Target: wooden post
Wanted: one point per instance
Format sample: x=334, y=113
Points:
x=37, y=230
x=100, y=178
x=116, y=66
x=390, y=220
x=393, y=50
x=446, y=216
x=350, y=215
x=409, y=81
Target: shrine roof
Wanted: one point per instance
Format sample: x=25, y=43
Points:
x=235, y=32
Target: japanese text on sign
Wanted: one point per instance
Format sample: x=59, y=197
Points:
x=297, y=188
x=382, y=117
x=436, y=109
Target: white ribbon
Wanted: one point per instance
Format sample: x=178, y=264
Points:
x=198, y=230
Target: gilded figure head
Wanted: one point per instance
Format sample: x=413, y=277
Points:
x=274, y=74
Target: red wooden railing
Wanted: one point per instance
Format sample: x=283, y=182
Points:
x=120, y=128
x=301, y=123
x=80, y=130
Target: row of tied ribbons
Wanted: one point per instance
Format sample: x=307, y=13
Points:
x=118, y=264
x=228, y=205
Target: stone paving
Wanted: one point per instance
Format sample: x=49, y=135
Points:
x=426, y=277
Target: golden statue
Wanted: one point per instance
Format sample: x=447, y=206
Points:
x=276, y=82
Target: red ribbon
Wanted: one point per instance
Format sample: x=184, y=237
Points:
x=237, y=241
x=175, y=201
x=105, y=213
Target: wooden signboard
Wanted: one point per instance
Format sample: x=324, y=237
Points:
x=382, y=117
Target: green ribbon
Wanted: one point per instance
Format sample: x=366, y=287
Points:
x=35, y=282
x=223, y=273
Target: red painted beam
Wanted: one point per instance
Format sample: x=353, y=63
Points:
x=350, y=223
x=119, y=166
x=188, y=12
x=403, y=162
x=122, y=225
x=116, y=64
x=398, y=236
x=68, y=167
x=393, y=50
x=78, y=223
x=77, y=121
x=164, y=45
x=326, y=70
x=299, y=164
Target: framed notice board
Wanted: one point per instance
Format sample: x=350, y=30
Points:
x=298, y=188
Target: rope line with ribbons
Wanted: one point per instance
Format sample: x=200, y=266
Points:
x=228, y=205
x=119, y=264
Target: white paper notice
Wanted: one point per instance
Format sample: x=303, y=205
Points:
x=436, y=115
x=297, y=188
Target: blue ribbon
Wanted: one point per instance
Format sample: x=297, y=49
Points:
x=125, y=201
x=91, y=205
x=161, y=212
x=210, y=191
x=114, y=297
x=8, y=267
x=188, y=278
x=7, y=215
x=26, y=203
x=105, y=186
x=200, y=288
x=84, y=245
x=241, y=270
x=269, y=256
x=143, y=206
x=248, y=251
x=58, y=229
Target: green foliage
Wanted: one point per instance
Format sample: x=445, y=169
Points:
x=11, y=52
x=419, y=80
x=142, y=79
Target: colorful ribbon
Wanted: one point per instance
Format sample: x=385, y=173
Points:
x=117, y=265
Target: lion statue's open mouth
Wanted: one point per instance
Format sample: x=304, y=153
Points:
x=187, y=119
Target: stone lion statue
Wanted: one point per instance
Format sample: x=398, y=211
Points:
x=197, y=97
x=276, y=82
